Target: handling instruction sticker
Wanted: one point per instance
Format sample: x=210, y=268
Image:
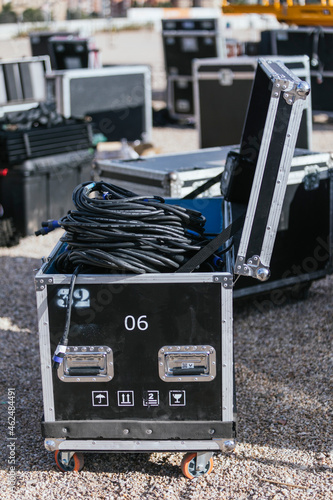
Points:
x=100, y=398
x=125, y=398
x=177, y=398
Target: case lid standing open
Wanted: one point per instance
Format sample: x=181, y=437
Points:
x=258, y=174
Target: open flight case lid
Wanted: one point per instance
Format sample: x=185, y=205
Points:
x=257, y=176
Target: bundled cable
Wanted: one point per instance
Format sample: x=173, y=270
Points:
x=45, y=114
x=119, y=231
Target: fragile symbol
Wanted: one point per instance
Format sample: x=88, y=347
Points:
x=177, y=398
x=100, y=398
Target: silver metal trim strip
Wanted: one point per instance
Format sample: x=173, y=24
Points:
x=138, y=445
x=281, y=183
x=184, y=33
x=45, y=356
x=125, y=279
x=331, y=222
x=240, y=75
x=148, y=106
x=227, y=354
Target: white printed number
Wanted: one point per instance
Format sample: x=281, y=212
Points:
x=81, y=297
x=131, y=323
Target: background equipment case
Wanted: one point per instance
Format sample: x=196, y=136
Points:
x=180, y=101
x=183, y=41
x=317, y=43
x=41, y=188
x=173, y=329
x=222, y=88
x=167, y=175
x=188, y=39
x=22, y=82
x=39, y=41
x=118, y=99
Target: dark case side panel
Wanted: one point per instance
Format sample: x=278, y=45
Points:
x=177, y=314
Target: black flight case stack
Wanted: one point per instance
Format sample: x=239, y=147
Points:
x=148, y=366
x=42, y=158
x=183, y=41
x=317, y=43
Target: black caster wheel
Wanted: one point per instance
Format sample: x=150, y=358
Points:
x=189, y=466
x=76, y=462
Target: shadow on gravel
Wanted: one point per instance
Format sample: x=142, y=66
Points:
x=284, y=463
x=119, y=463
x=283, y=365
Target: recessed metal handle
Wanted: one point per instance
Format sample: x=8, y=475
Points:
x=193, y=363
x=87, y=364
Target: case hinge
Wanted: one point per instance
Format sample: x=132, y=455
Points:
x=299, y=91
x=252, y=267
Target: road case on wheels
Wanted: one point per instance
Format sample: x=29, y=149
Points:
x=148, y=364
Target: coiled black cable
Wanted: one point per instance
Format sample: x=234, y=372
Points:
x=118, y=231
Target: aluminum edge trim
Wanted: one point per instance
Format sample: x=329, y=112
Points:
x=227, y=355
x=148, y=106
x=331, y=223
x=244, y=75
x=281, y=183
x=87, y=279
x=261, y=164
x=65, y=83
x=196, y=99
x=139, y=445
x=45, y=356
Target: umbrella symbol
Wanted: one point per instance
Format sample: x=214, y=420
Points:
x=100, y=396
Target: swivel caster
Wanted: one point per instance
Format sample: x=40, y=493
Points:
x=197, y=464
x=68, y=462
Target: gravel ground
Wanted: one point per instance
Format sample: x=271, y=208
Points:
x=283, y=359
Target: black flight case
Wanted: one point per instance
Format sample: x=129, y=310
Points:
x=222, y=87
x=149, y=361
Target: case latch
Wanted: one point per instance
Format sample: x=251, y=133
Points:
x=311, y=178
x=226, y=77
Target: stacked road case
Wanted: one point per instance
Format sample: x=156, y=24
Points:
x=183, y=41
x=149, y=361
x=317, y=43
